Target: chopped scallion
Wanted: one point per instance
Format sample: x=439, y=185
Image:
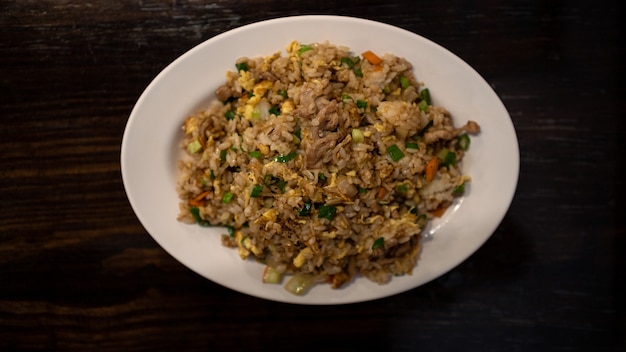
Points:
x=402, y=188
x=223, y=154
x=281, y=185
x=464, y=141
x=358, y=72
x=357, y=136
x=229, y=114
x=447, y=157
x=459, y=189
x=423, y=105
x=327, y=212
x=395, y=153
x=274, y=110
x=194, y=147
x=283, y=93
x=256, y=154
x=411, y=145
x=348, y=61
x=345, y=97
x=404, y=82
x=227, y=197
x=285, y=158
x=304, y=48
x=243, y=66
x=378, y=243
x=361, y=104
x=306, y=209
x=256, y=191
x=425, y=96
x=195, y=213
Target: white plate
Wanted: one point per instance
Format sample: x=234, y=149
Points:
x=150, y=151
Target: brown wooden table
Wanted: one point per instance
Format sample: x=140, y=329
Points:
x=79, y=272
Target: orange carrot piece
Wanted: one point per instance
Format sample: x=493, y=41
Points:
x=431, y=169
x=439, y=211
x=196, y=202
x=372, y=58
x=381, y=193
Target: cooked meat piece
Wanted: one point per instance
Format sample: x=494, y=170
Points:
x=470, y=127
x=223, y=93
x=320, y=150
x=328, y=117
x=433, y=136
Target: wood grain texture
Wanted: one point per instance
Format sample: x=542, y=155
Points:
x=79, y=272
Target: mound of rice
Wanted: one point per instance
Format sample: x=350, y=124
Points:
x=322, y=164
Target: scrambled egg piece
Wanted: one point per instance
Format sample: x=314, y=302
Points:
x=299, y=260
x=246, y=80
x=287, y=107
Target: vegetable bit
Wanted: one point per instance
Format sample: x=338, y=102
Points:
x=256, y=191
x=300, y=283
x=271, y=276
x=431, y=169
x=194, y=147
x=285, y=158
x=304, y=48
x=327, y=212
x=395, y=153
x=447, y=157
x=243, y=66
x=378, y=243
x=464, y=141
x=372, y=58
x=357, y=136
x=306, y=209
x=227, y=197
x=195, y=213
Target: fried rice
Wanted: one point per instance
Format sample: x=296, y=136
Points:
x=322, y=164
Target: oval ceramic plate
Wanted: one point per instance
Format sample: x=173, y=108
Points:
x=150, y=151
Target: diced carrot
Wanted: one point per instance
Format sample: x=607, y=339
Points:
x=431, y=169
x=381, y=193
x=196, y=202
x=372, y=58
x=439, y=211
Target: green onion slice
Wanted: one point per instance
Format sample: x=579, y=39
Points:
x=464, y=141
x=256, y=191
x=411, y=145
x=395, y=153
x=425, y=96
x=327, y=212
x=447, y=157
x=306, y=209
x=459, y=189
x=229, y=114
x=243, y=66
x=378, y=243
x=227, y=197
x=404, y=82
x=285, y=158
x=304, y=48
x=256, y=154
x=348, y=61
x=195, y=212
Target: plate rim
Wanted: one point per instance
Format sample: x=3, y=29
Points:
x=280, y=20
